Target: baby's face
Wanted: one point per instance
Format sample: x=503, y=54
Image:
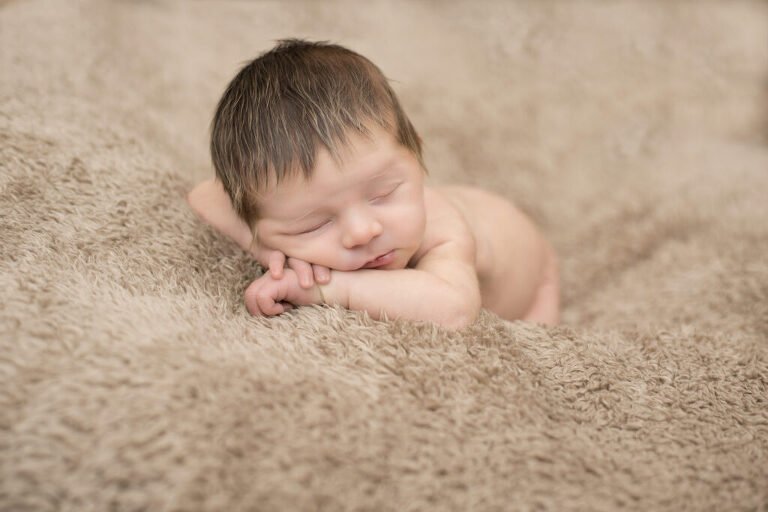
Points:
x=371, y=204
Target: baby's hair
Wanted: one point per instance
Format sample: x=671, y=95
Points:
x=282, y=105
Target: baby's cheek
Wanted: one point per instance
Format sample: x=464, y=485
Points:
x=288, y=249
x=311, y=251
x=411, y=221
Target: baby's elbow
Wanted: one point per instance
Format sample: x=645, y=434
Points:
x=196, y=198
x=464, y=313
x=458, y=323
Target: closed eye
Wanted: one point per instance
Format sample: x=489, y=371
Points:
x=315, y=228
x=383, y=196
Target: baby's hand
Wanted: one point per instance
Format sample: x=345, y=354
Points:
x=275, y=261
x=308, y=273
x=269, y=296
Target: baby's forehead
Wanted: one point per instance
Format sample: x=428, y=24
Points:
x=327, y=183
x=343, y=172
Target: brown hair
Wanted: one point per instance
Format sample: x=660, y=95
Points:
x=281, y=105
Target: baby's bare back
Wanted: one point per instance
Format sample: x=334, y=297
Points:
x=513, y=260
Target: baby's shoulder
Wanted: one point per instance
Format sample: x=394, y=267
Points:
x=453, y=205
x=446, y=222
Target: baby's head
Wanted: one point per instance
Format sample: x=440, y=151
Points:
x=307, y=133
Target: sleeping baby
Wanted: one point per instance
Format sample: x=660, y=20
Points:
x=319, y=175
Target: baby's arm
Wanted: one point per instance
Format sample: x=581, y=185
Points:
x=211, y=203
x=451, y=300
x=443, y=288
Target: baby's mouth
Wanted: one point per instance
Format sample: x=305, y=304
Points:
x=384, y=259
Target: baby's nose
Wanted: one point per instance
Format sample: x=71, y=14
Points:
x=360, y=229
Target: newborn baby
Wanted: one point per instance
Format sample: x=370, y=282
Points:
x=319, y=174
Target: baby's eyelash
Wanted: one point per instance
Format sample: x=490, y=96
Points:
x=314, y=228
x=385, y=195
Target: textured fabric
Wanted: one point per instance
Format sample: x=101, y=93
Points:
x=132, y=378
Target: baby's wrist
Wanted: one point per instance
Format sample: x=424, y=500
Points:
x=332, y=293
x=319, y=288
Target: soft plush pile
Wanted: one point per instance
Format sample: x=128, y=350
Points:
x=132, y=378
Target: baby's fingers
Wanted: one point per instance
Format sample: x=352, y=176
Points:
x=303, y=271
x=259, y=302
x=322, y=274
x=250, y=296
x=276, y=264
x=268, y=306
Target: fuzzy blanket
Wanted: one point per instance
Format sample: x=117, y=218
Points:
x=132, y=378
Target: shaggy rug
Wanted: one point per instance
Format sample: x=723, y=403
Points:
x=132, y=378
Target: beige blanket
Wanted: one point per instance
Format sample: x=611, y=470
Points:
x=131, y=377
